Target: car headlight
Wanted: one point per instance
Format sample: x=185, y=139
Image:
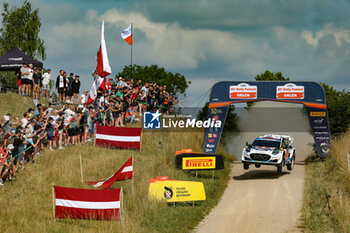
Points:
x=275, y=151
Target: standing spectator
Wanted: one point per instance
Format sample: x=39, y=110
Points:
x=69, y=92
x=36, y=83
x=30, y=80
x=24, y=78
x=46, y=83
x=75, y=89
x=19, y=83
x=83, y=98
x=61, y=85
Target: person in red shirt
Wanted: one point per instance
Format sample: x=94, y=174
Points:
x=109, y=85
x=4, y=162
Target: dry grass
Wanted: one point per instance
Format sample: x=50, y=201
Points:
x=27, y=202
x=328, y=178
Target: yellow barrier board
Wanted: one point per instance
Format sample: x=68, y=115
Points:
x=197, y=163
x=176, y=191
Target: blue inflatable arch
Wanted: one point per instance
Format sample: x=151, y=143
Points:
x=310, y=94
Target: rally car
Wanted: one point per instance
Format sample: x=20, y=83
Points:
x=270, y=149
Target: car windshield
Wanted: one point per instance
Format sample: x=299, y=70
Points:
x=266, y=143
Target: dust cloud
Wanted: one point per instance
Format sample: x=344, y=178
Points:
x=269, y=117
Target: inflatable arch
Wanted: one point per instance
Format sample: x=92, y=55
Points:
x=310, y=94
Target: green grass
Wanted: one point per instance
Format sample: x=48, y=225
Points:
x=328, y=178
x=27, y=201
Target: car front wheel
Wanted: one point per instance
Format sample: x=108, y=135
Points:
x=246, y=166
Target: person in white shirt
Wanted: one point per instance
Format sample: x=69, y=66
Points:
x=30, y=80
x=83, y=98
x=24, y=78
x=46, y=83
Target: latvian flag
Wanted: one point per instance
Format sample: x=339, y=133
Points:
x=118, y=137
x=124, y=173
x=88, y=203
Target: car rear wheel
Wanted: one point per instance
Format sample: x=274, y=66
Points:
x=246, y=166
x=291, y=165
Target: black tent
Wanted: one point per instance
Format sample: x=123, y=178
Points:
x=13, y=60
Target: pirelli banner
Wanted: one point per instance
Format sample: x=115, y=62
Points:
x=199, y=162
x=310, y=94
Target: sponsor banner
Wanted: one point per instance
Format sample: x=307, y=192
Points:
x=319, y=124
x=212, y=133
x=290, y=91
x=318, y=114
x=176, y=190
x=198, y=161
x=243, y=91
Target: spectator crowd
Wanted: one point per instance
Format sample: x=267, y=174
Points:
x=69, y=121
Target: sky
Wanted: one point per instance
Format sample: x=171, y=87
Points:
x=206, y=41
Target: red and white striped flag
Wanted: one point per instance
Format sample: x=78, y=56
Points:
x=124, y=173
x=88, y=203
x=99, y=83
x=118, y=137
x=103, y=68
x=127, y=35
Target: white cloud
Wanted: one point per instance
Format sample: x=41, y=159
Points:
x=340, y=35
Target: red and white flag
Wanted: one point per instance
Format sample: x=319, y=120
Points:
x=118, y=137
x=88, y=203
x=99, y=83
x=127, y=35
x=124, y=173
x=103, y=68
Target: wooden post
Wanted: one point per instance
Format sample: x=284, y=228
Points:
x=53, y=201
x=81, y=171
x=141, y=140
x=348, y=156
x=133, y=176
x=196, y=174
x=95, y=126
x=122, y=208
x=340, y=199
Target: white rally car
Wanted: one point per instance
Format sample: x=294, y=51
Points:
x=270, y=149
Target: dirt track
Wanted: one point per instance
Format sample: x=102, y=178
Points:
x=258, y=200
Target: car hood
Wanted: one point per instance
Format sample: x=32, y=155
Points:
x=262, y=149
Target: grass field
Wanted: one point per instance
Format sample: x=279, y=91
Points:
x=27, y=201
x=330, y=177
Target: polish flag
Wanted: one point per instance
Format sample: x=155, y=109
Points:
x=103, y=68
x=88, y=203
x=127, y=35
x=118, y=137
x=124, y=173
x=98, y=83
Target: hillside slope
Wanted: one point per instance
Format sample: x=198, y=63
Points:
x=27, y=201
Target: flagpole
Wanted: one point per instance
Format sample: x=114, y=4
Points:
x=133, y=175
x=132, y=33
x=122, y=209
x=53, y=201
x=81, y=171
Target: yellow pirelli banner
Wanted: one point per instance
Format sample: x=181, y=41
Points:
x=176, y=190
x=198, y=163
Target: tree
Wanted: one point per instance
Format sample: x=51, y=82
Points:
x=175, y=82
x=270, y=76
x=230, y=126
x=338, y=109
x=20, y=28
